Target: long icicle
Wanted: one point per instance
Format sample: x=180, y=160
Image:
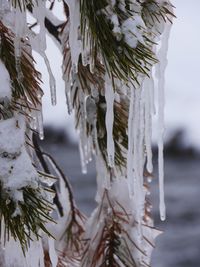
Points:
x=162, y=56
x=130, y=144
x=109, y=95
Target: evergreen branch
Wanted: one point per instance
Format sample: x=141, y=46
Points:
x=22, y=4
x=74, y=229
x=154, y=12
x=85, y=81
x=41, y=158
x=25, y=85
x=73, y=235
x=75, y=224
x=24, y=219
x=6, y=109
x=111, y=248
x=121, y=60
x=119, y=132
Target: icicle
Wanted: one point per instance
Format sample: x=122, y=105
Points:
x=88, y=114
x=83, y=163
x=2, y=234
x=74, y=34
x=20, y=24
x=52, y=80
x=95, y=93
x=68, y=102
x=135, y=159
x=75, y=68
x=20, y=31
x=130, y=144
x=94, y=133
x=148, y=122
x=138, y=175
x=162, y=56
x=110, y=96
x=34, y=120
x=17, y=47
x=38, y=43
x=135, y=138
x=39, y=12
x=141, y=154
x=52, y=252
x=92, y=65
x=5, y=91
x=85, y=58
x=40, y=124
x=90, y=109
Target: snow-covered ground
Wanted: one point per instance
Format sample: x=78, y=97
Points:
x=182, y=78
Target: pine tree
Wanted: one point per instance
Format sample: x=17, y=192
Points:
x=111, y=50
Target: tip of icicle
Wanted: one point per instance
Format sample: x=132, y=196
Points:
x=163, y=217
x=53, y=102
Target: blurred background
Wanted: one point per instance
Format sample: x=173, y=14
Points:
x=179, y=245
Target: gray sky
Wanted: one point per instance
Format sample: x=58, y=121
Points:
x=183, y=72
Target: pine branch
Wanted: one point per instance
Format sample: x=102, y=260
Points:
x=85, y=81
x=22, y=4
x=24, y=78
x=119, y=132
x=109, y=245
x=23, y=220
x=154, y=12
x=72, y=235
x=121, y=60
x=41, y=158
x=6, y=109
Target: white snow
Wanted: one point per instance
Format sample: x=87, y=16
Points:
x=16, y=169
x=131, y=28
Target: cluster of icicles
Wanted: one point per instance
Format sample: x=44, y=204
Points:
x=143, y=104
x=117, y=191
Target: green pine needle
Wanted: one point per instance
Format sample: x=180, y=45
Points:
x=32, y=217
x=22, y=4
x=121, y=60
x=27, y=88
